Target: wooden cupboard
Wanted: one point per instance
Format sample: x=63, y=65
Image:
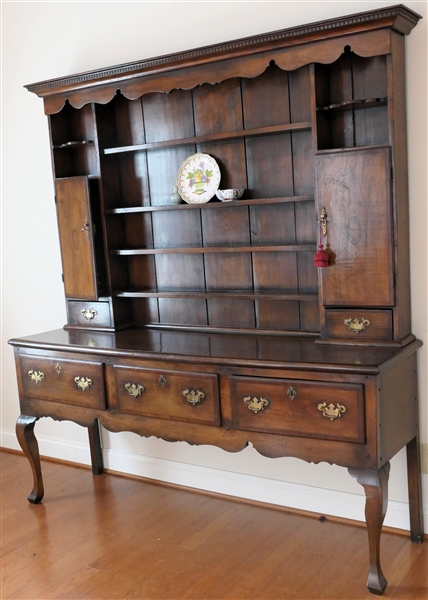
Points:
x=209, y=323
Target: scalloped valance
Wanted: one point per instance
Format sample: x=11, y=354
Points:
x=366, y=34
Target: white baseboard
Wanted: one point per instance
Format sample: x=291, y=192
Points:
x=304, y=497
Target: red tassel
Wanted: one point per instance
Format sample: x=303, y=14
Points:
x=321, y=257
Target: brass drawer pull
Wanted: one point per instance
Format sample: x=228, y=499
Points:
x=292, y=393
x=163, y=381
x=193, y=397
x=256, y=404
x=83, y=383
x=134, y=389
x=88, y=313
x=36, y=376
x=332, y=412
x=356, y=325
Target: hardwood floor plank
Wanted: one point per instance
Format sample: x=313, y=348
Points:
x=109, y=537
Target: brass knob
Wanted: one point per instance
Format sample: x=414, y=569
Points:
x=192, y=396
x=83, y=383
x=134, y=389
x=36, y=376
x=332, y=412
x=256, y=404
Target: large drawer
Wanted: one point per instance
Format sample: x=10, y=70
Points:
x=164, y=394
x=63, y=380
x=297, y=407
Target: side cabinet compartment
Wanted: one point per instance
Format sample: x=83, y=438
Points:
x=353, y=187
x=76, y=238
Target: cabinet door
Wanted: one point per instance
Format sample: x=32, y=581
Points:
x=354, y=188
x=76, y=237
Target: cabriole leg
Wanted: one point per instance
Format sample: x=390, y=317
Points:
x=375, y=484
x=415, y=491
x=96, y=449
x=28, y=443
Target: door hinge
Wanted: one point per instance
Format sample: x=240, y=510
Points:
x=55, y=200
x=62, y=277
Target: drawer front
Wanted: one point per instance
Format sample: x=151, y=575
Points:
x=358, y=324
x=174, y=395
x=295, y=407
x=70, y=381
x=89, y=314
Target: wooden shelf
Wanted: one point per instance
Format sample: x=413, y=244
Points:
x=208, y=205
x=355, y=104
x=75, y=144
x=211, y=295
x=217, y=249
x=214, y=137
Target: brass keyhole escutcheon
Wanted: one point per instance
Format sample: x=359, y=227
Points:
x=86, y=228
x=163, y=382
x=291, y=393
x=58, y=368
x=134, y=389
x=323, y=221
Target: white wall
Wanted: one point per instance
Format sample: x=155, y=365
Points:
x=46, y=40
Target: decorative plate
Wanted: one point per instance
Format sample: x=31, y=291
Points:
x=198, y=178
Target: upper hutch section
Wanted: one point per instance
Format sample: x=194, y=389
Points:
x=294, y=117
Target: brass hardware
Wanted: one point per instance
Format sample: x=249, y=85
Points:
x=356, y=325
x=332, y=412
x=85, y=228
x=83, y=383
x=134, y=389
x=88, y=313
x=291, y=393
x=36, y=376
x=192, y=396
x=323, y=221
x=58, y=368
x=163, y=381
x=256, y=404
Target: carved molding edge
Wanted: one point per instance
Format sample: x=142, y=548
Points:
x=399, y=16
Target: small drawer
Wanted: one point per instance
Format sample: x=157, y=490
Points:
x=173, y=395
x=89, y=314
x=296, y=407
x=63, y=380
x=358, y=324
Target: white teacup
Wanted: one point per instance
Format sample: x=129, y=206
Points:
x=227, y=195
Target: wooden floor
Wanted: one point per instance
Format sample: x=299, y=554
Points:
x=110, y=537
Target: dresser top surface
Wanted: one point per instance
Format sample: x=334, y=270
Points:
x=222, y=349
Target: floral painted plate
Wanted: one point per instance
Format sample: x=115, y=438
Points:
x=198, y=178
